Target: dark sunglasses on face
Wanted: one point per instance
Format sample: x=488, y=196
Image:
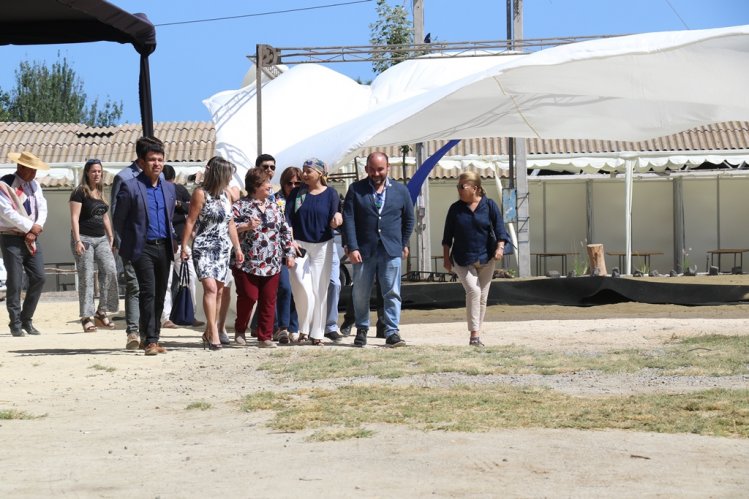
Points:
x=268, y=166
x=294, y=184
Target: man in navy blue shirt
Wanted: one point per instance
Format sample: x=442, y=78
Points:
x=378, y=221
x=143, y=224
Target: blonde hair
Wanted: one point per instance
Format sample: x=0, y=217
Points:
x=473, y=178
x=217, y=175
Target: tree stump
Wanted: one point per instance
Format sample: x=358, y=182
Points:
x=596, y=259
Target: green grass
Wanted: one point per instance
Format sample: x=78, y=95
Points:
x=201, y=406
x=713, y=355
x=717, y=412
x=331, y=435
x=7, y=414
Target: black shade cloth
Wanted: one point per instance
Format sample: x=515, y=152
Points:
x=577, y=291
x=39, y=22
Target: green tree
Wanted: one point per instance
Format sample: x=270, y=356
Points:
x=55, y=94
x=393, y=27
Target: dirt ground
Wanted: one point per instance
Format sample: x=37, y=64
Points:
x=127, y=433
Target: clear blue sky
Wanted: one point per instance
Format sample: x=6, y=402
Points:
x=194, y=61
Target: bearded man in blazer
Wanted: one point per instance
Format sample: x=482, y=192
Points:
x=378, y=219
x=142, y=220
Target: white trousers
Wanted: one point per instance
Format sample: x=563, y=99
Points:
x=476, y=283
x=309, y=286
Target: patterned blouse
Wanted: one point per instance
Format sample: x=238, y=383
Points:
x=265, y=247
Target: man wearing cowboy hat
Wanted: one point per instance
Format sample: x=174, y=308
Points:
x=23, y=211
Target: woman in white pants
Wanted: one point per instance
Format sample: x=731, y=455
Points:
x=312, y=211
x=473, y=240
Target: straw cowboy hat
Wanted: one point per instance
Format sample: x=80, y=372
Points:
x=27, y=159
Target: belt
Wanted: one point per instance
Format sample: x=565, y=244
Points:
x=157, y=242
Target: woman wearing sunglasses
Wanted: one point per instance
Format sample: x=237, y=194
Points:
x=473, y=240
x=312, y=210
x=91, y=243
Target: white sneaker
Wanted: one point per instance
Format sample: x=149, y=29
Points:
x=294, y=337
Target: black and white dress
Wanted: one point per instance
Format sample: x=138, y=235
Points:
x=211, y=246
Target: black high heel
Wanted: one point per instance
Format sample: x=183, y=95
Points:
x=211, y=346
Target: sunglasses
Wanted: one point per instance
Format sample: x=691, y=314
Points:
x=268, y=166
x=464, y=186
x=92, y=162
x=294, y=183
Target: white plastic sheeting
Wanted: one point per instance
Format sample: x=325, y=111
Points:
x=627, y=88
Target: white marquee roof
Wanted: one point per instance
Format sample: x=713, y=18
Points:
x=625, y=88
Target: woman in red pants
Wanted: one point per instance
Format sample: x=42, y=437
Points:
x=266, y=246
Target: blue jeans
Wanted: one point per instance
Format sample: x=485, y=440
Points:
x=334, y=292
x=286, y=317
x=388, y=271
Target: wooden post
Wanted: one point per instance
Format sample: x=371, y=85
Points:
x=596, y=259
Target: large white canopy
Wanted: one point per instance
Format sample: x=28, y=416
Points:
x=627, y=88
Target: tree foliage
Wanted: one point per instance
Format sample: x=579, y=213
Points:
x=54, y=94
x=393, y=27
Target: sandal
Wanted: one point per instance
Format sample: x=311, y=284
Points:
x=104, y=321
x=316, y=342
x=283, y=337
x=303, y=337
x=88, y=325
x=475, y=342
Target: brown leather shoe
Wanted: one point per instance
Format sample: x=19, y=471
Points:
x=152, y=349
x=169, y=325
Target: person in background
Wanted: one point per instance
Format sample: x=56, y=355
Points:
x=267, y=247
x=312, y=211
x=23, y=212
x=334, y=290
x=143, y=225
x=92, y=244
x=215, y=235
x=287, y=322
x=181, y=209
x=378, y=221
x=473, y=241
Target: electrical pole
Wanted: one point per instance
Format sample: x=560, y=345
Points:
x=423, y=234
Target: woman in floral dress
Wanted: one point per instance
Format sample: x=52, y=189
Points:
x=266, y=245
x=215, y=235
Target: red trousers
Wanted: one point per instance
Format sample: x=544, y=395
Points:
x=252, y=289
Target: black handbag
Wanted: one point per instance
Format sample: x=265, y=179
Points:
x=183, y=311
x=491, y=242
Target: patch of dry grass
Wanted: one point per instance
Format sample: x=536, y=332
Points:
x=716, y=412
x=714, y=355
x=7, y=414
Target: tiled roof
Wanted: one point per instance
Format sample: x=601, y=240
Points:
x=731, y=135
x=63, y=142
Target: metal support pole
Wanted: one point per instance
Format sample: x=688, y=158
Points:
x=259, y=54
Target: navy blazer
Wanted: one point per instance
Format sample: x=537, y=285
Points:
x=130, y=219
x=364, y=228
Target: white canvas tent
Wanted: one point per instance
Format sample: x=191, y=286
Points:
x=625, y=88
